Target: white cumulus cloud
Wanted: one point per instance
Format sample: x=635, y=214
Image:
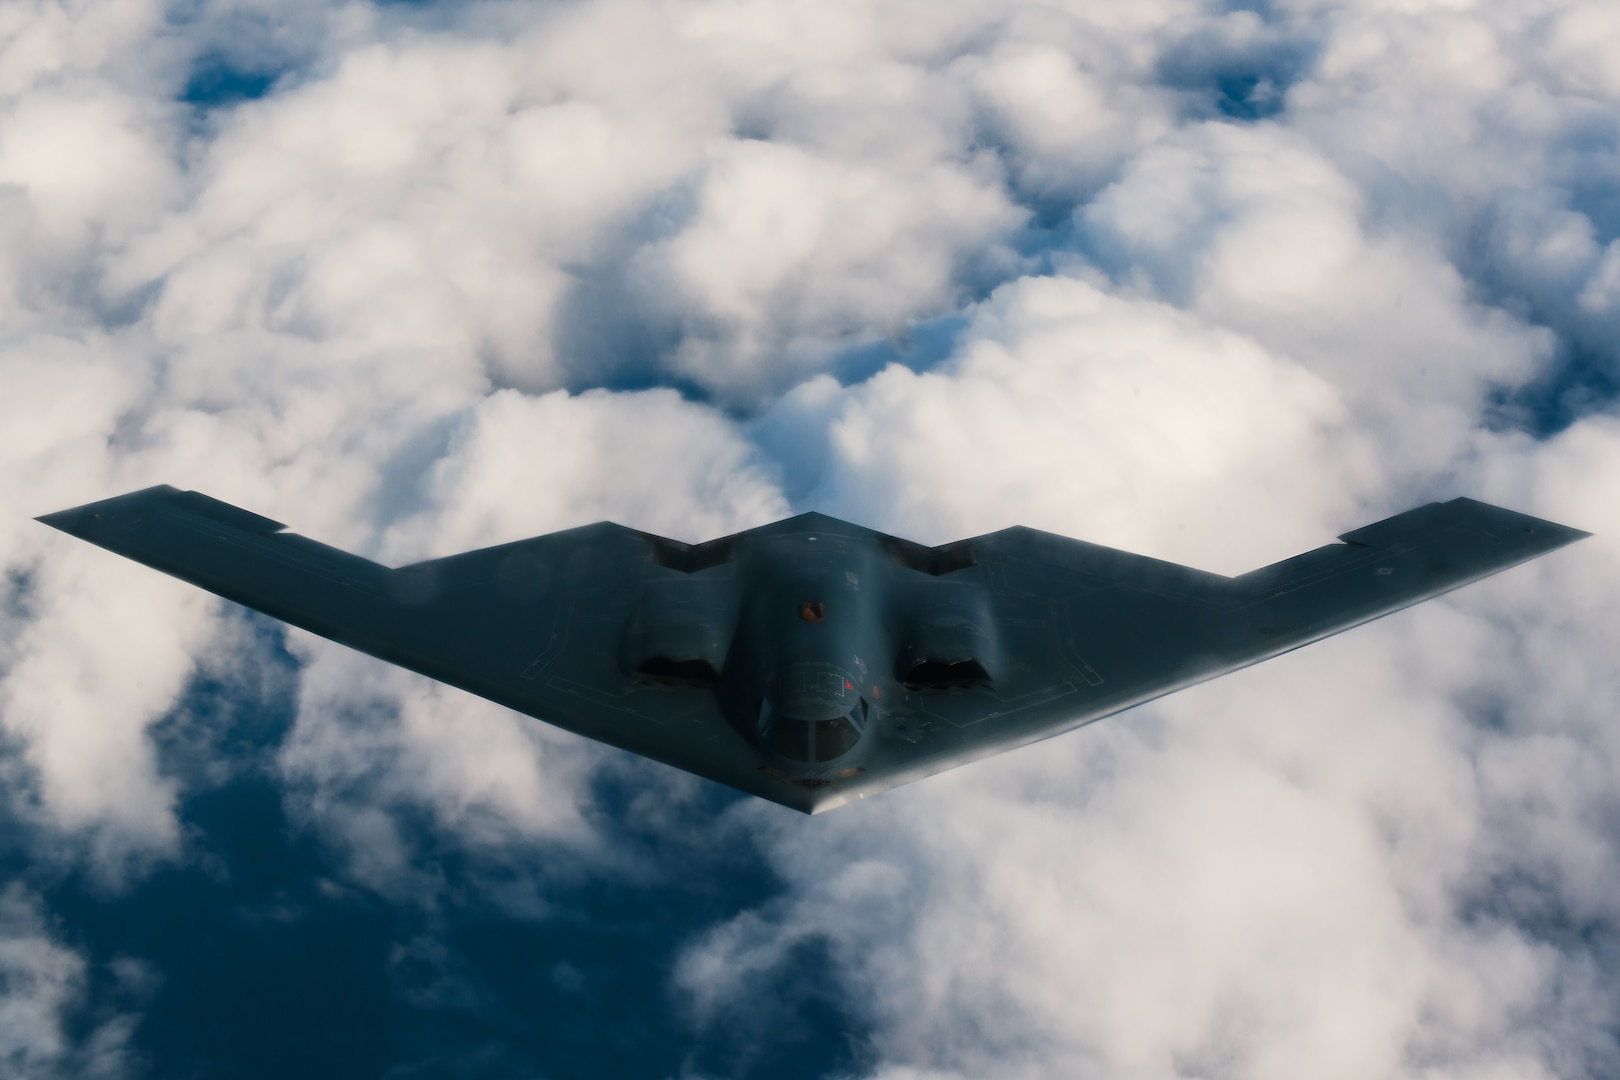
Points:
x=1210, y=285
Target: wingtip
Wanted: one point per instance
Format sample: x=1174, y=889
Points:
x=84, y=520
x=1524, y=531
x=73, y=521
x=79, y=520
x=1556, y=535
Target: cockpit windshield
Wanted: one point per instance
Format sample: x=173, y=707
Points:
x=812, y=740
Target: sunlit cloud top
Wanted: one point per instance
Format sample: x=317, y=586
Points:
x=1214, y=284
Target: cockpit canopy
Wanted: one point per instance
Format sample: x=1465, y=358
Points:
x=812, y=740
x=812, y=712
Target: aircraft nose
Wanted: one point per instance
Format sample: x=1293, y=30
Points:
x=815, y=692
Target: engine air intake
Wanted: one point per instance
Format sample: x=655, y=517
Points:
x=662, y=671
x=966, y=674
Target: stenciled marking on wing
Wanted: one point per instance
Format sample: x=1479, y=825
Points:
x=1071, y=651
x=561, y=619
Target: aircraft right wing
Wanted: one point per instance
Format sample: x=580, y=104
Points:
x=1091, y=631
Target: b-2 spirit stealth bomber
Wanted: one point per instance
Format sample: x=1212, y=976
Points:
x=812, y=662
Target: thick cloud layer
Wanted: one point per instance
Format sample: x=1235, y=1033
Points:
x=1213, y=285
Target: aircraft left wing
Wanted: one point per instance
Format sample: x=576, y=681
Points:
x=534, y=625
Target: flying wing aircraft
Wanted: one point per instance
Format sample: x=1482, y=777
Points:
x=812, y=662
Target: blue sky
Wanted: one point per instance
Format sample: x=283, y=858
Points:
x=1211, y=282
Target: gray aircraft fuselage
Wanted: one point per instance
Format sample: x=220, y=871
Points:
x=807, y=669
